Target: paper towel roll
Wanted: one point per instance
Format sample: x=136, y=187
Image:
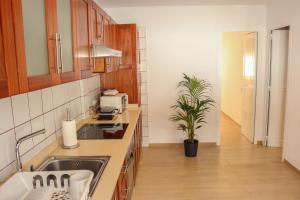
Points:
x=69, y=133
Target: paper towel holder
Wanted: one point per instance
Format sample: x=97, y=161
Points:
x=71, y=147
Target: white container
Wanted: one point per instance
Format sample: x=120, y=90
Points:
x=69, y=134
x=21, y=185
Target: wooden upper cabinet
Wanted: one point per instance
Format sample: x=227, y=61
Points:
x=66, y=28
x=45, y=43
x=107, y=31
x=83, y=35
x=8, y=67
x=97, y=16
x=126, y=42
x=35, y=43
x=110, y=64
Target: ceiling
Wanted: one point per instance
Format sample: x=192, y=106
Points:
x=130, y=3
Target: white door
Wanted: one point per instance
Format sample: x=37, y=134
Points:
x=277, y=87
x=249, y=86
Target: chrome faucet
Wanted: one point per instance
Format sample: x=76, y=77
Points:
x=19, y=142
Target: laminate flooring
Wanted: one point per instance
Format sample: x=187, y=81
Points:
x=234, y=170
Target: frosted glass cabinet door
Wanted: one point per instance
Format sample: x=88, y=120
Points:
x=64, y=21
x=35, y=37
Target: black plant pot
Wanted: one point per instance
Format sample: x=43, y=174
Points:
x=190, y=148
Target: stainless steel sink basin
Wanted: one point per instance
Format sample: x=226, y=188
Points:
x=95, y=164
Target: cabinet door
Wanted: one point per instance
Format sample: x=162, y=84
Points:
x=107, y=30
x=126, y=42
x=8, y=66
x=34, y=22
x=97, y=24
x=83, y=50
x=65, y=29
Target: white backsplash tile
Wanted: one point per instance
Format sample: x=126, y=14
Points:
x=38, y=124
x=143, y=54
x=142, y=31
x=20, y=109
x=144, y=89
x=28, y=156
x=58, y=98
x=38, y=148
x=84, y=87
x=90, y=83
x=27, y=113
x=6, y=115
x=144, y=99
x=145, y=131
x=35, y=103
x=65, y=110
x=58, y=134
x=145, y=120
x=58, y=117
x=144, y=109
x=145, y=141
x=21, y=131
x=143, y=81
x=142, y=43
x=144, y=77
x=75, y=108
x=64, y=92
x=6, y=172
x=49, y=123
x=73, y=90
x=143, y=66
x=7, y=148
x=50, y=139
x=47, y=99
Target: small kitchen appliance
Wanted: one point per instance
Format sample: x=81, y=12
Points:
x=107, y=113
x=119, y=101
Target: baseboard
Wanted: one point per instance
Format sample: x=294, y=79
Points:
x=277, y=143
x=291, y=166
x=260, y=143
x=172, y=144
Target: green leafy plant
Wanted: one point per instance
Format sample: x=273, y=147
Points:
x=193, y=103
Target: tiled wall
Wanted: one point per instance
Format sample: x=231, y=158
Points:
x=142, y=67
x=26, y=113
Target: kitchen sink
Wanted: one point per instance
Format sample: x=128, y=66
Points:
x=96, y=164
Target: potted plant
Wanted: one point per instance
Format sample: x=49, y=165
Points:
x=193, y=103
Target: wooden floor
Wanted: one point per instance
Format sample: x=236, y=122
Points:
x=235, y=170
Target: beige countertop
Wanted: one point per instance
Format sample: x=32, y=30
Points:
x=116, y=149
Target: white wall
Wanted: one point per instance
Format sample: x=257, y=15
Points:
x=282, y=13
x=186, y=39
x=232, y=74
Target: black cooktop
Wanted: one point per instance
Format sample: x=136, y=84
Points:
x=101, y=131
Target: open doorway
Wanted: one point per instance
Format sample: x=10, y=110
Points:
x=277, y=87
x=238, y=81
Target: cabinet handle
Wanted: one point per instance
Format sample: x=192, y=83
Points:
x=128, y=163
x=56, y=38
x=94, y=54
x=60, y=54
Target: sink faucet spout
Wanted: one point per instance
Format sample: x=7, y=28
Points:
x=18, y=144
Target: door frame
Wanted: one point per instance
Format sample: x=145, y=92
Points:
x=218, y=107
x=268, y=78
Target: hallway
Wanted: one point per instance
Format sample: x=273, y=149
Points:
x=234, y=170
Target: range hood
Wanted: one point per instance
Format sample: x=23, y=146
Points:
x=101, y=51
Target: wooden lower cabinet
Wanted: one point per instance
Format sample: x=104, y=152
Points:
x=126, y=178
